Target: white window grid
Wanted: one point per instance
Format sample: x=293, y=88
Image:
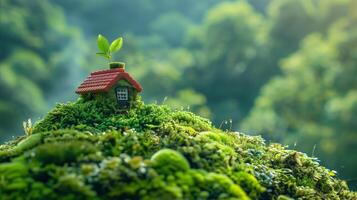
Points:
x=122, y=93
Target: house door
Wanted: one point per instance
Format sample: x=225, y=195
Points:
x=122, y=94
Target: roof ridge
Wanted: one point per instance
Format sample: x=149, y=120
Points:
x=104, y=71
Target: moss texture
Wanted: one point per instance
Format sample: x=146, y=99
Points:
x=92, y=150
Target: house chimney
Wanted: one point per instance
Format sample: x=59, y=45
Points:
x=114, y=65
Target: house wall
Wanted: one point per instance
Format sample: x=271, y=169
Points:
x=111, y=94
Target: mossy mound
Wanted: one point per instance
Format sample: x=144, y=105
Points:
x=91, y=150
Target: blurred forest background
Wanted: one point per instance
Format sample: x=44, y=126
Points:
x=283, y=69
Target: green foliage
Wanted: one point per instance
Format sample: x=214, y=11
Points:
x=172, y=27
x=107, y=50
x=35, y=42
x=190, y=99
x=302, y=13
x=231, y=47
x=153, y=152
x=167, y=161
x=116, y=45
x=103, y=44
x=313, y=103
x=249, y=183
x=97, y=116
x=62, y=152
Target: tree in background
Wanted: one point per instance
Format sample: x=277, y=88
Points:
x=229, y=50
x=172, y=28
x=290, y=22
x=314, y=102
x=136, y=16
x=34, y=40
x=235, y=42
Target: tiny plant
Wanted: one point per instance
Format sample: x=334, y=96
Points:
x=28, y=128
x=107, y=50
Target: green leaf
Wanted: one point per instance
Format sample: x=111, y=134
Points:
x=105, y=55
x=116, y=45
x=103, y=44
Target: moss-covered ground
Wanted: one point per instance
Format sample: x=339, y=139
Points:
x=91, y=150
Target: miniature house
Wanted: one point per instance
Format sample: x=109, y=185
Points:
x=115, y=84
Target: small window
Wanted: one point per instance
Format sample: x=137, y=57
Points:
x=122, y=94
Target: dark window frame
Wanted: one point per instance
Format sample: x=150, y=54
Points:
x=123, y=103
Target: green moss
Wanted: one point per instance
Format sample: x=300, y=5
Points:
x=27, y=143
x=92, y=150
x=62, y=152
x=167, y=161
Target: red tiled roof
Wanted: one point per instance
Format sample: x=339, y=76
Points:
x=104, y=80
